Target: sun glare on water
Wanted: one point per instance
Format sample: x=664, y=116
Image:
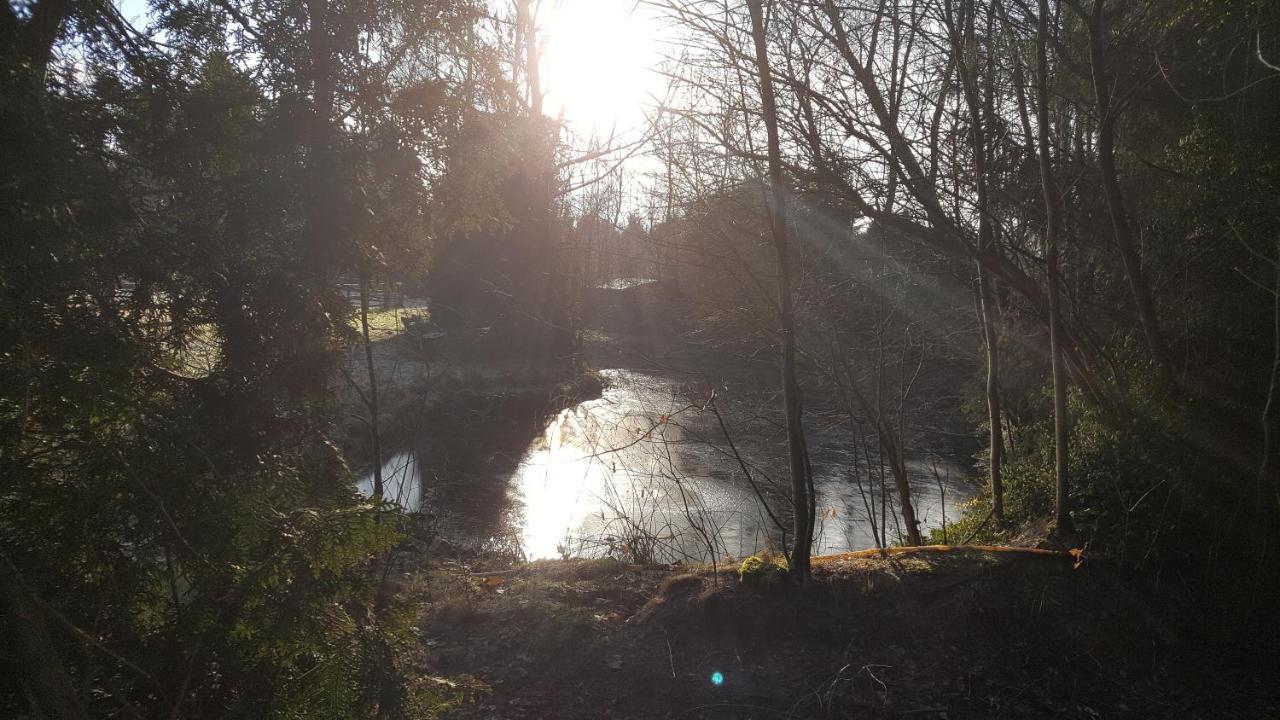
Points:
x=599, y=63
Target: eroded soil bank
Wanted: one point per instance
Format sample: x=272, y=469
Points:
x=961, y=634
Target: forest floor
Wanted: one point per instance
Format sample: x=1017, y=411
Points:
x=958, y=634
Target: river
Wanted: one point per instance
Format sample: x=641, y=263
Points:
x=647, y=470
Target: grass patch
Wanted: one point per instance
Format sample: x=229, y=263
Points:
x=763, y=570
x=389, y=322
x=911, y=564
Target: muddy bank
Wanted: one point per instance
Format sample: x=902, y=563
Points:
x=966, y=634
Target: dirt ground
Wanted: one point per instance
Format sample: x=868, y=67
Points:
x=959, y=634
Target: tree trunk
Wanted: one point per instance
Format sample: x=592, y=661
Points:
x=375, y=434
x=31, y=40
x=986, y=244
x=991, y=338
x=41, y=668
x=1052, y=229
x=1133, y=271
x=890, y=443
x=325, y=224
x=987, y=292
x=797, y=452
x=897, y=463
x=526, y=22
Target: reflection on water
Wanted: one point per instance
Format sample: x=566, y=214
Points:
x=401, y=482
x=642, y=462
x=643, y=470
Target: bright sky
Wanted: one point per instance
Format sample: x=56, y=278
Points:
x=599, y=61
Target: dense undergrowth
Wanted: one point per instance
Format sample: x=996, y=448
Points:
x=1144, y=498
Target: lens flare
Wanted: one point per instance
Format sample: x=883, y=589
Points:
x=717, y=678
x=599, y=56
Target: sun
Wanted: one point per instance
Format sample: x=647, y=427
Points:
x=599, y=63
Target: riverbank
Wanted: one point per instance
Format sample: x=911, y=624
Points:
x=441, y=399
x=961, y=634
x=633, y=464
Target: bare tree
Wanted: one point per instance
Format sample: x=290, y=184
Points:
x=1052, y=232
x=965, y=52
x=802, y=498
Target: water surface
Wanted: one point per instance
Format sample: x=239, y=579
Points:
x=647, y=469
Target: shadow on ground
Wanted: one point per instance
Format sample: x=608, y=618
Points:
x=932, y=635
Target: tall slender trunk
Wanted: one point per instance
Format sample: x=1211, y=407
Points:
x=802, y=503
x=848, y=394
x=324, y=223
x=890, y=443
x=991, y=338
x=1052, y=230
x=1138, y=285
x=987, y=307
x=375, y=433
x=554, y=299
x=526, y=28
x=987, y=292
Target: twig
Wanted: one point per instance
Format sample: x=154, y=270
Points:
x=671, y=658
x=1262, y=59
